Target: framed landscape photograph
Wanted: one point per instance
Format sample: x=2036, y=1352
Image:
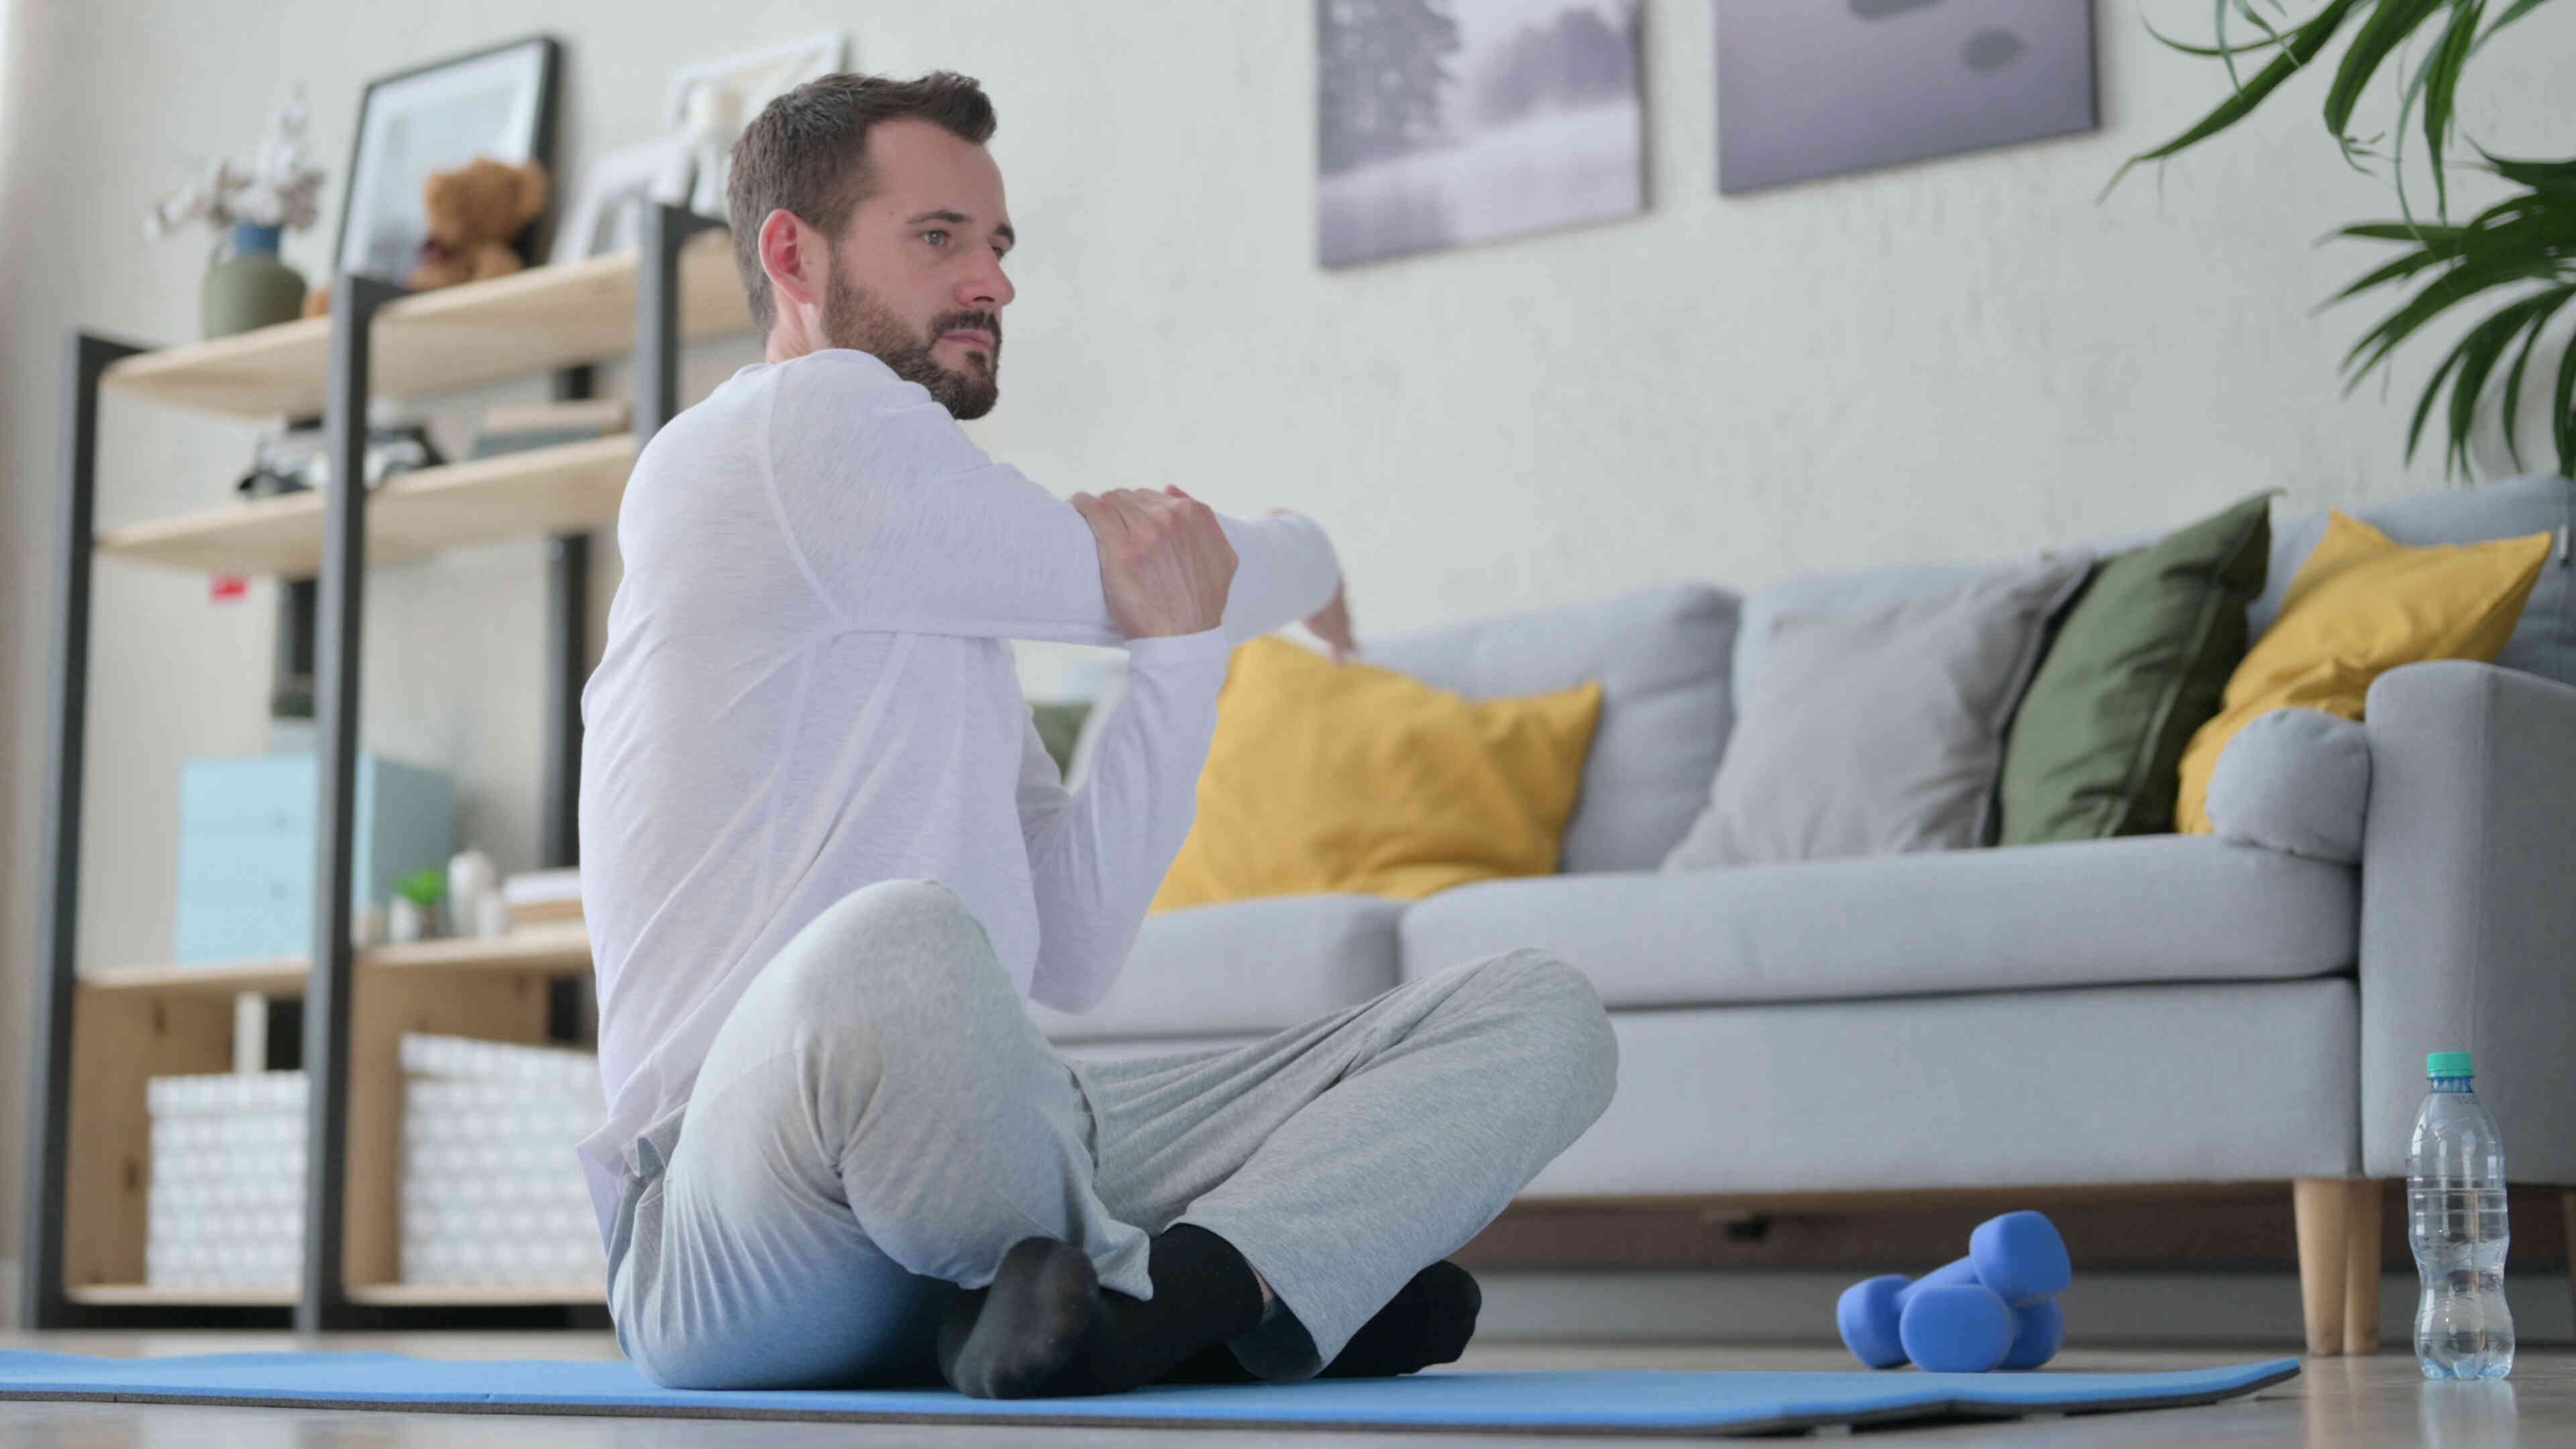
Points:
x=1445, y=124
x=498, y=103
x=1810, y=88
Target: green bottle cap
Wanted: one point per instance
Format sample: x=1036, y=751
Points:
x=2448, y=1064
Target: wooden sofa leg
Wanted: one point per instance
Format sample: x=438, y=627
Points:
x=2361, y=1266
x=2322, y=1207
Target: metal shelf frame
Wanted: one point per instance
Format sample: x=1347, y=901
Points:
x=324, y=1301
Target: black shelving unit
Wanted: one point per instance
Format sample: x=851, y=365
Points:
x=323, y=1303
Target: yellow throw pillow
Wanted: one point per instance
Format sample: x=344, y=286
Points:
x=2364, y=605
x=1350, y=777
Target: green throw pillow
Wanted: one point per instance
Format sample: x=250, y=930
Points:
x=2136, y=668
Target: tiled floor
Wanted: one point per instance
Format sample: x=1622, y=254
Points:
x=2363, y=1403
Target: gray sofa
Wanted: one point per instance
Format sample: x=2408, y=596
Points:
x=2149, y=1010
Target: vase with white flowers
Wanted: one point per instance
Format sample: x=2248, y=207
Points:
x=249, y=209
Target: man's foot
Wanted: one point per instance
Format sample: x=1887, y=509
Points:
x=1046, y=1328
x=1005, y=1341
x=1428, y=1321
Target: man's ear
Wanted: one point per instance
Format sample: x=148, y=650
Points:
x=790, y=251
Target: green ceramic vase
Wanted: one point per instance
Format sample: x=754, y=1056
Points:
x=251, y=288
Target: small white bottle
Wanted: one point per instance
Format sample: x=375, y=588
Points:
x=2455, y=1217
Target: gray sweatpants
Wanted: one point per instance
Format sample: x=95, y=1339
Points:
x=879, y=1120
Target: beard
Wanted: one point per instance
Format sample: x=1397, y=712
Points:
x=854, y=318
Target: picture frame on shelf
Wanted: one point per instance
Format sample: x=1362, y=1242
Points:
x=606, y=215
x=498, y=102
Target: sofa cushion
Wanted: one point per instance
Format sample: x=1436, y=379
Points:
x=2083, y=913
x=1246, y=966
x=1352, y=778
x=1855, y=591
x=2139, y=663
x=2296, y=780
x=2544, y=641
x=1880, y=731
x=2146, y=1084
x=2363, y=605
x=1661, y=655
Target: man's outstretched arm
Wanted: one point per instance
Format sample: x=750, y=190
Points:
x=901, y=523
x=1097, y=856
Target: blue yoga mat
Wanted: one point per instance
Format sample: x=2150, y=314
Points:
x=1608, y=1402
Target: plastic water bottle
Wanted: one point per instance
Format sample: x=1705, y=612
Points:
x=2455, y=1218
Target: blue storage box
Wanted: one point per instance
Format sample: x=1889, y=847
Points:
x=248, y=852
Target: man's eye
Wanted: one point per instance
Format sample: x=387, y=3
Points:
x=935, y=237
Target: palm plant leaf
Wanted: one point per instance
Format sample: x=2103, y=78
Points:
x=2477, y=353
x=2538, y=175
x=2507, y=16
x=2405, y=266
x=2424, y=408
x=2563, y=414
x=2301, y=47
x=2221, y=51
x=2524, y=244
x=2448, y=57
x=2526, y=238
x=2513, y=375
x=2408, y=231
x=2463, y=280
x=2272, y=35
x=2387, y=27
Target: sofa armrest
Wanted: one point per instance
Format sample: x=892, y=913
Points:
x=2468, y=907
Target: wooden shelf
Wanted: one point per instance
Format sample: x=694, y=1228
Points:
x=550, y=948
x=556, y=947
x=157, y=1294
x=571, y=488
x=537, y=320
x=454, y=1295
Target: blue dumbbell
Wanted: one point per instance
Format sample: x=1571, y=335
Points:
x=1943, y=1327
x=2039, y=1331
x=1990, y=1309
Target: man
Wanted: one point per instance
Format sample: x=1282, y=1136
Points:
x=825, y=858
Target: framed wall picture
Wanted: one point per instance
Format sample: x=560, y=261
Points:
x=498, y=103
x=1808, y=89
x=606, y=213
x=1441, y=125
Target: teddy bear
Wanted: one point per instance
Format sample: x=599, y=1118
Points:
x=474, y=212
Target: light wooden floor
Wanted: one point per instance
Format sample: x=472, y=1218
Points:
x=2336, y=1403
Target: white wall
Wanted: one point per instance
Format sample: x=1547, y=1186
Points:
x=1959, y=358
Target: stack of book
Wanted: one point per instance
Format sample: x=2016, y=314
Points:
x=226, y=1207
x=491, y=1190
x=537, y=897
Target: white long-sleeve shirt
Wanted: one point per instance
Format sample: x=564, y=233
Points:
x=807, y=689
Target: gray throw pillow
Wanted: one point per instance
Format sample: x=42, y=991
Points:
x=1880, y=731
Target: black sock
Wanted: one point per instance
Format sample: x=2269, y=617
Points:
x=1428, y=1321
x=1045, y=1328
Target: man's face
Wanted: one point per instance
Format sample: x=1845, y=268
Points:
x=917, y=278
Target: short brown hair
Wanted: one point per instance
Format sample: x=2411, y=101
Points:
x=807, y=152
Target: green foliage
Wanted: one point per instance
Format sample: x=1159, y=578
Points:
x=2525, y=244
x=424, y=887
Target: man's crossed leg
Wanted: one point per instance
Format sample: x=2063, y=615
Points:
x=879, y=1131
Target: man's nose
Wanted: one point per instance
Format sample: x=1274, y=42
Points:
x=986, y=287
